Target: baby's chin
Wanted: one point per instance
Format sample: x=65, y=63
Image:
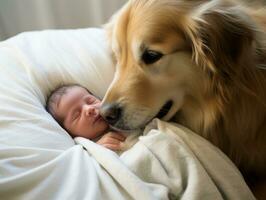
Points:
x=104, y=127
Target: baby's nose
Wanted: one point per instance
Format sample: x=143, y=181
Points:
x=90, y=110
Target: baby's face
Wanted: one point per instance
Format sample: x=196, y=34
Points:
x=78, y=111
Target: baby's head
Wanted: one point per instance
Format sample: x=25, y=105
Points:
x=77, y=111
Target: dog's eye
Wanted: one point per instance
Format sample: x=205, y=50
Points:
x=150, y=56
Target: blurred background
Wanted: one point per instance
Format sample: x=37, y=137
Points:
x=18, y=16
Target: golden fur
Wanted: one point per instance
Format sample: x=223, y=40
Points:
x=213, y=69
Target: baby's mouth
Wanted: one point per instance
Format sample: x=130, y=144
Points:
x=97, y=118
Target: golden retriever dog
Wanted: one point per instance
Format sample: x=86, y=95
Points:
x=200, y=63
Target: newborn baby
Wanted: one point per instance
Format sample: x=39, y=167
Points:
x=77, y=111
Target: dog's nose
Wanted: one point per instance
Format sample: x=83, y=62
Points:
x=111, y=113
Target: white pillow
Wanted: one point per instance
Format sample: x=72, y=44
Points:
x=34, y=63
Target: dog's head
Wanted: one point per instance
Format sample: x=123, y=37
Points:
x=168, y=51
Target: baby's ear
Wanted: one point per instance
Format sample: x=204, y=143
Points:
x=221, y=35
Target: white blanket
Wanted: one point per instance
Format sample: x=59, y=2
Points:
x=172, y=162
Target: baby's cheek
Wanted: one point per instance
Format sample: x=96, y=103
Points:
x=79, y=130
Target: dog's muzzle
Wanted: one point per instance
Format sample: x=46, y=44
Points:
x=113, y=113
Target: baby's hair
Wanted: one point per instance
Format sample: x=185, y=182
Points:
x=55, y=95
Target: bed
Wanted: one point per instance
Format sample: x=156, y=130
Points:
x=40, y=160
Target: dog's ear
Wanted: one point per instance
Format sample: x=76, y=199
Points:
x=220, y=37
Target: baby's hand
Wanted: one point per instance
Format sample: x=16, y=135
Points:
x=112, y=140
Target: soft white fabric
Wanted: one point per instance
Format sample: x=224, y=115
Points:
x=39, y=160
x=172, y=162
